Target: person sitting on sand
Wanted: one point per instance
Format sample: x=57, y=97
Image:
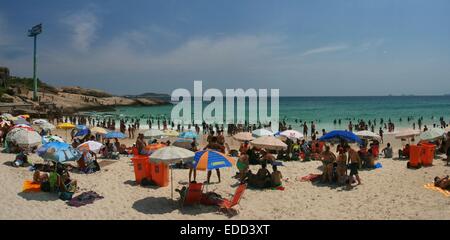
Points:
x=442, y=182
x=40, y=177
x=244, y=147
x=243, y=166
x=263, y=176
x=327, y=158
x=387, y=151
x=404, y=152
x=140, y=144
x=276, y=177
x=341, y=166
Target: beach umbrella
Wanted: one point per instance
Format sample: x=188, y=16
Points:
x=47, y=126
x=92, y=146
x=432, y=134
x=40, y=121
x=188, y=134
x=150, y=148
x=24, y=126
x=171, y=133
x=269, y=142
x=114, y=135
x=407, y=133
x=183, y=143
x=171, y=154
x=51, y=138
x=153, y=133
x=20, y=121
x=340, y=135
x=261, y=132
x=59, y=152
x=24, y=137
x=7, y=116
x=368, y=135
x=5, y=122
x=292, y=134
x=99, y=130
x=243, y=136
x=82, y=132
x=23, y=116
x=210, y=159
x=81, y=127
x=65, y=126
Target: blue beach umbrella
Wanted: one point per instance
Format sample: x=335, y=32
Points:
x=188, y=135
x=59, y=152
x=209, y=159
x=81, y=127
x=82, y=132
x=339, y=135
x=114, y=135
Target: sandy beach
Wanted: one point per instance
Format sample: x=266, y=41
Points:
x=390, y=192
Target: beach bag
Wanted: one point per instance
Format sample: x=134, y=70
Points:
x=65, y=196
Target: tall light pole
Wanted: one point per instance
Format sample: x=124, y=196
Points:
x=33, y=32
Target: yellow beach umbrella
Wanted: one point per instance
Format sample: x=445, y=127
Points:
x=65, y=126
x=171, y=133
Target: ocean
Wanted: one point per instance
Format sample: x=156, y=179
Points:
x=324, y=110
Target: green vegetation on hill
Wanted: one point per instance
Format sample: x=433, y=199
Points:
x=27, y=83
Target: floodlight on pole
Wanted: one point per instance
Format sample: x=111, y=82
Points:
x=33, y=32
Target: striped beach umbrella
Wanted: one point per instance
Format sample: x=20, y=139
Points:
x=209, y=160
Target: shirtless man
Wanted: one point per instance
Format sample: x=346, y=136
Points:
x=267, y=157
x=327, y=158
x=276, y=177
x=353, y=160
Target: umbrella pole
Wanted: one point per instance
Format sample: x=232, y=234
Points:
x=171, y=182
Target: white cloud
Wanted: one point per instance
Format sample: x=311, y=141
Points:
x=325, y=49
x=84, y=25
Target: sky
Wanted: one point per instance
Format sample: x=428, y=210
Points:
x=303, y=48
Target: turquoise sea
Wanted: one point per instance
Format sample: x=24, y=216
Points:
x=323, y=110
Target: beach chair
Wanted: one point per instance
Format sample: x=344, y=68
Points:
x=228, y=204
x=193, y=194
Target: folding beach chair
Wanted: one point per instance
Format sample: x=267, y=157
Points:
x=228, y=204
x=193, y=194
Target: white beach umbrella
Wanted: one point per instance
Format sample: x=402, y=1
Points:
x=432, y=134
x=92, y=146
x=261, y=132
x=243, y=136
x=153, y=133
x=407, y=133
x=47, y=126
x=24, y=138
x=171, y=154
x=269, y=142
x=368, y=135
x=292, y=134
x=40, y=121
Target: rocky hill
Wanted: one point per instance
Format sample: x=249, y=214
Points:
x=71, y=99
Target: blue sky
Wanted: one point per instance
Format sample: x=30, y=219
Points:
x=305, y=48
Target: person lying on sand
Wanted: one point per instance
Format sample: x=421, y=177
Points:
x=443, y=182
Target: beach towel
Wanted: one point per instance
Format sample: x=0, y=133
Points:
x=30, y=186
x=84, y=199
x=310, y=177
x=281, y=188
x=277, y=163
x=437, y=189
